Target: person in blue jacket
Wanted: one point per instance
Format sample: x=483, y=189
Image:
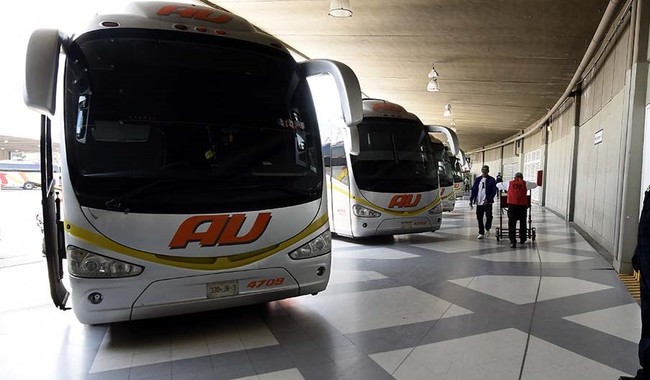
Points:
x=483, y=192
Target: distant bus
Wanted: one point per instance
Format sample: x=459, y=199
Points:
x=21, y=174
x=446, y=172
x=445, y=175
x=457, y=174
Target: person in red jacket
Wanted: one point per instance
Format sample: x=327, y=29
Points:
x=517, y=206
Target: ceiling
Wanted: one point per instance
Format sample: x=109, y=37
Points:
x=502, y=64
x=20, y=144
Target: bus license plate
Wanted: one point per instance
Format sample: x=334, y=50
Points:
x=222, y=289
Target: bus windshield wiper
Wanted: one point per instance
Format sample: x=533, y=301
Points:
x=395, y=155
x=117, y=202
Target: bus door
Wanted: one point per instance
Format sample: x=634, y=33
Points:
x=53, y=243
x=40, y=95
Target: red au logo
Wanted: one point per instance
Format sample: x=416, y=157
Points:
x=192, y=12
x=220, y=230
x=404, y=200
x=389, y=107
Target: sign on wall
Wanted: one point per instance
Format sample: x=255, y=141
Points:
x=598, y=137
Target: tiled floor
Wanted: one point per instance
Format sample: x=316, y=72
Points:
x=441, y=305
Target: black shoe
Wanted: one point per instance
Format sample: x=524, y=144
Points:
x=522, y=241
x=513, y=245
x=626, y=378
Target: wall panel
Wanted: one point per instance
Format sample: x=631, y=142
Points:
x=559, y=160
x=598, y=179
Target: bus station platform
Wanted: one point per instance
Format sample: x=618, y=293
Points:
x=441, y=305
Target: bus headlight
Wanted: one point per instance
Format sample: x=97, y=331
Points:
x=320, y=246
x=436, y=210
x=82, y=263
x=365, y=212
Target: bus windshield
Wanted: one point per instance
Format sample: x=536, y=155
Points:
x=162, y=125
x=395, y=156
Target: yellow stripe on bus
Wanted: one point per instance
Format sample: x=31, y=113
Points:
x=199, y=263
x=364, y=202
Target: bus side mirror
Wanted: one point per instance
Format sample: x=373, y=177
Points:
x=347, y=85
x=41, y=70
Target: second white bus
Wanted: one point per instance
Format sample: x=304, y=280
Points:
x=382, y=174
x=443, y=153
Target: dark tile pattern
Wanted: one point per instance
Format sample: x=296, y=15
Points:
x=310, y=342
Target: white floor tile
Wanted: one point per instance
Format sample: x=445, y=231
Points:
x=375, y=309
x=460, y=245
x=289, y=374
x=352, y=276
x=458, y=231
x=188, y=350
x=521, y=255
x=621, y=321
x=467, y=358
x=376, y=253
x=548, y=361
x=581, y=245
x=462, y=358
x=523, y=289
x=344, y=244
x=244, y=334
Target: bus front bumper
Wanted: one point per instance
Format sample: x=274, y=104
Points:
x=198, y=293
x=397, y=226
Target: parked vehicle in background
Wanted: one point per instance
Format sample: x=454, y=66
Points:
x=444, y=153
x=23, y=174
x=383, y=181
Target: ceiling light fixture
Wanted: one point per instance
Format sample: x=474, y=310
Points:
x=447, y=112
x=433, y=80
x=433, y=85
x=433, y=73
x=340, y=8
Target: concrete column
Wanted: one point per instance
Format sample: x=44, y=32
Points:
x=632, y=186
x=575, y=136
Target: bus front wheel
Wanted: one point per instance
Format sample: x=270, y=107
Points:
x=28, y=186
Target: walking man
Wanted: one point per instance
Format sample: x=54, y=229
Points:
x=517, y=206
x=483, y=192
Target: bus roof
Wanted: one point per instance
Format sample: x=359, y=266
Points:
x=186, y=18
x=383, y=108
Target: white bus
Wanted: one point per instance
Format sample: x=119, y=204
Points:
x=191, y=162
x=381, y=174
x=445, y=166
x=461, y=167
x=457, y=174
